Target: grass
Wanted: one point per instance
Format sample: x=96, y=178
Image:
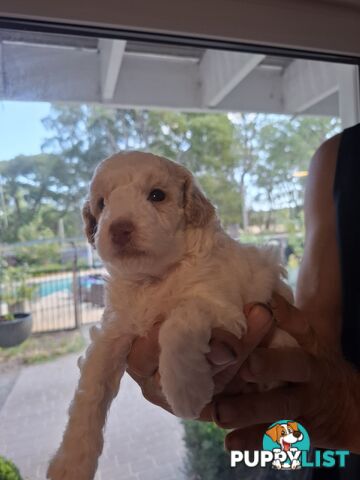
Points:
x=43, y=347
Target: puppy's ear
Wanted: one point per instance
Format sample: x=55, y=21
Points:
x=89, y=223
x=273, y=433
x=293, y=425
x=198, y=210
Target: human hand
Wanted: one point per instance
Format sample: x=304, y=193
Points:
x=324, y=393
x=226, y=355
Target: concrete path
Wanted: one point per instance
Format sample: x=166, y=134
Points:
x=142, y=442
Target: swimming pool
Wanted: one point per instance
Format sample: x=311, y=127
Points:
x=49, y=287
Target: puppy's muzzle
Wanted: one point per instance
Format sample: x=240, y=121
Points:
x=121, y=232
x=297, y=434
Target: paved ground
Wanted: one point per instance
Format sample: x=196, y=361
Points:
x=141, y=443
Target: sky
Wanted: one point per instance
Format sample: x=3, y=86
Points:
x=21, y=130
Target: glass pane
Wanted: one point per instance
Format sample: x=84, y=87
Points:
x=245, y=124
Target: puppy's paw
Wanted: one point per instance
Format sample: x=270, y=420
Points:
x=186, y=376
x=189, y=396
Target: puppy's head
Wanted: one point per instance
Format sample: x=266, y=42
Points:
x=138, y=210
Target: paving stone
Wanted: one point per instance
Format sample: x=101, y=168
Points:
x=142, y=442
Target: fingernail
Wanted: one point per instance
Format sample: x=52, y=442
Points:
x=247, y=308
x=255, y=363
x=221, y=354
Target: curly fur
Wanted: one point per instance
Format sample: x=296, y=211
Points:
x=179, y=264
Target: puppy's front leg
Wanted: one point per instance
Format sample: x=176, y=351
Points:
x=186, y=375
x=101, y=371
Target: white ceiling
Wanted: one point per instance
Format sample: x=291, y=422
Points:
x=48, y=67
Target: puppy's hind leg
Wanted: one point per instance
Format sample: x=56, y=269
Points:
x=101, y=371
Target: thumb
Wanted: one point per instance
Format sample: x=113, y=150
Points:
x=293, y=321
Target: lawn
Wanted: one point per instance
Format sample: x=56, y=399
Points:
x=43, y=347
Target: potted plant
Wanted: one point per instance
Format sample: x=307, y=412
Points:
x=16, y=324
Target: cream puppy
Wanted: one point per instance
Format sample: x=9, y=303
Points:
x=167, y=258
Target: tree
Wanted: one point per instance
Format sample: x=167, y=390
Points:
x=82, y=136
x=286, y=148
x=29, y=184
x=242, y=161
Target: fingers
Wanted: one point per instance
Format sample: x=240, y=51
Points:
x=250, y=438
x=151, y=389
x=277, y=365
x=223, y=348
x=260, y=322
x=143, y=360
x=207, y=414
x=293, y=321
x=242, y=411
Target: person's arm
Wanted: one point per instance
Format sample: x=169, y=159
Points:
x=323, y=386
x=318, y=291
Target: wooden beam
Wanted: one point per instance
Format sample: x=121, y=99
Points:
x=307, y=82
x=222, y=71
x=111, y=57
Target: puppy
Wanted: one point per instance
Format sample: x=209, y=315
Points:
x=167, y=258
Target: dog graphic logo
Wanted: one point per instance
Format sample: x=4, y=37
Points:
x=287, y=440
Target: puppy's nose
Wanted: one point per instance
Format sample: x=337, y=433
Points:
x=297, y=434
x=120, y=232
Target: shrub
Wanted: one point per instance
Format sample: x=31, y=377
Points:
x=206, y=458
x=40, y=254
x=8, y=471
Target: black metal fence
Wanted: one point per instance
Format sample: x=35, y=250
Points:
x=60, y=282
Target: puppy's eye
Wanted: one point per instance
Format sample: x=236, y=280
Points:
x=283, y=433
x=156, y=195
x=101, y=204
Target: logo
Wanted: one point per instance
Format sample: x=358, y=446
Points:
x=286, y=446
x=287, y=440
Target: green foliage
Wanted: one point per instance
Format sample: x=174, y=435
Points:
x=245, y=162
x=37, y=271
x=8, y=470
x=7, y=317
x=206, y=458
x=42, y=254
x=43, y=347
x=14, y=285
x=286, y=147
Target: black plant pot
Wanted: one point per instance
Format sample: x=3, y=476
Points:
x=14, y=332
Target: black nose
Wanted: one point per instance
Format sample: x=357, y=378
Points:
x=121, y=231
x=297, y=434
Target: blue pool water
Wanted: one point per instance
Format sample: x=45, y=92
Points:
x=54, y=286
